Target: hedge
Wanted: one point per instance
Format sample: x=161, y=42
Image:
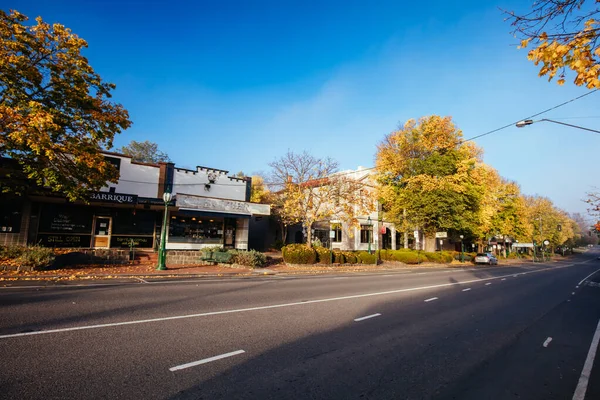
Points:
x=365, y=258
x=323, y=255
x=299, y=254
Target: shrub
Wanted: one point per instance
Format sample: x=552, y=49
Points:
x=408, y=257
x=250, y=258
x=365, y=258
x=36, y=257
x=317, y=242
x=350, y=258
x=278, y=244
x=386, y=254
x=11, y=252
x=323, y=255
x=339, y=257
x=299, y=254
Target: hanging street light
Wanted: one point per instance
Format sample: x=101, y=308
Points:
x=525, y=122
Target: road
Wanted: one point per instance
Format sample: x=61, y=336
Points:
x=475, y=333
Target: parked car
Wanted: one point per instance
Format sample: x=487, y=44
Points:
x=486, y=258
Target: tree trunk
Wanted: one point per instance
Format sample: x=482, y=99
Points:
x=309, y=235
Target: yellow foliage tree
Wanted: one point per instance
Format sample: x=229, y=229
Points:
x=55, y=116
x=307, y=189
x=564, y=34
x=427, y=179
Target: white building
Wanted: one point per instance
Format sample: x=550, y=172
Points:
x=208, y=208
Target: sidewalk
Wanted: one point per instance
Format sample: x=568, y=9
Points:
x=148, y=270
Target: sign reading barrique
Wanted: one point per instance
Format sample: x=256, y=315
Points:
x=113, y=197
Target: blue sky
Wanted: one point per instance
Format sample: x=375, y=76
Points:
x=235, y=84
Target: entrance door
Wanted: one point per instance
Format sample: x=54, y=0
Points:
x=229, y=239
x=102, y=231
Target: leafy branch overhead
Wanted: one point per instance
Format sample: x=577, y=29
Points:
x=55, y=111
x=564, y=35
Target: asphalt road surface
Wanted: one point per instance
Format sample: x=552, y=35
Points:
x=518, y=332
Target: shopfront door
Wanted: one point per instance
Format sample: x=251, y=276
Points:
x=229, y=237
x=102, y=231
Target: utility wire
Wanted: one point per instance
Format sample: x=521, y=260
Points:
x=371, y=168
x=530, y=117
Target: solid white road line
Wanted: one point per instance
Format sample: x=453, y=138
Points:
x=367, y=317
x=489, y=283
x=269, y=307
x=503, y=279
x=587, y=367
x=572, y=294
x=141, y=280
x=583, y=280
x=466, y=290
x=206, y=360
x=431, y=299
x=547, y=342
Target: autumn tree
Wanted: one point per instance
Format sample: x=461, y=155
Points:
x=502, y=208
x=593, y=200
x=426, y=177
x=55, y=111
x=585, y=230
x=308, y=189
x=548, y=222
x=145, y=151
x=259, y=192
x=563, y=35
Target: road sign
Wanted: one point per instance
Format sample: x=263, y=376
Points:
x=416, y=234
x=332, y=234
x=441, y=235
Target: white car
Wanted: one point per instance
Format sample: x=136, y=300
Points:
x=486, y=258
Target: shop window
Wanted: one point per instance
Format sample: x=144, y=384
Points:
x=11, y=211
x=191, y=229
x=133, y=222
x=366, y=233
x=337, y=229
x=57, y=218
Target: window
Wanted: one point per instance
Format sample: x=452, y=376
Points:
x=10, y=215
x=366, y=233
x=195, y=229
x=337, y=229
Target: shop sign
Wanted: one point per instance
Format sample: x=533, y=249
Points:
x=213, y=205
x=441, y=235
x=58, y=240
x=144, y=242
x=119, y=198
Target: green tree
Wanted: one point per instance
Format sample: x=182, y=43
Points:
x=426, y=176
x=564, y=35
x=55, y=113
x=145, y=151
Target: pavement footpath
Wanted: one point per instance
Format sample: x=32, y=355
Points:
x=148, y=270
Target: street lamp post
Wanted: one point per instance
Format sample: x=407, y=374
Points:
x=526, y=122
x=162, y=252
x=369, y=232
x=462, y=249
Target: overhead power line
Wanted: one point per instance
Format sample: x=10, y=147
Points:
x=530, y=117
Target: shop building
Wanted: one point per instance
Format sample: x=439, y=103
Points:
x=209, y=208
